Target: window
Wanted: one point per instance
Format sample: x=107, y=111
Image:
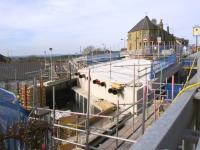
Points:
x=130, y=46
x=129, y=36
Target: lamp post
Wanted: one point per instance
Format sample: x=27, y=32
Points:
x=124, y=42
x=104, y=48
x=51, y=63
x=196, y=32
x=45, y=61
x=158, y=41
x=197, y=43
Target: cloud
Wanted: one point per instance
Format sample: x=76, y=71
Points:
x=67, y=24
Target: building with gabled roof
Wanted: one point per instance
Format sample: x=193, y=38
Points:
x=144, y=35
x=144, y=24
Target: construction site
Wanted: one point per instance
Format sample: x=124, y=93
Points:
x=95, y=102
x=105, y=105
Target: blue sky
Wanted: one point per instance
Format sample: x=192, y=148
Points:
x=32, y=26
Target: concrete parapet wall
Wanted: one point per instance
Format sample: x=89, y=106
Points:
x=167, y=131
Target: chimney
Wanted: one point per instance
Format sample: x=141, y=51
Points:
x=161, y=24
x=154, y=21
x=168, y=29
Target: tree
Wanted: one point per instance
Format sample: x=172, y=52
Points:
x=89, y=49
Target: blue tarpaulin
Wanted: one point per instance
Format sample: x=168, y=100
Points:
x=177, y=89
x=10, y=113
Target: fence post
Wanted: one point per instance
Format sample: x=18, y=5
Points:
x=144, y=108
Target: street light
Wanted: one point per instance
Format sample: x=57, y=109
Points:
x=104, y=47
x=124, y=42
x=45, y=61
x=158, y=41
x=51, y=63
x=196, y=32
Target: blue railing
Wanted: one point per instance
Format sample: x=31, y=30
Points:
x=161, y=64
x=187, y=62
x=150, y=49
x=95, y=59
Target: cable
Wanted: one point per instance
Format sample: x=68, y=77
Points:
x=189, y=86
x=185, y=89
x=188, y=77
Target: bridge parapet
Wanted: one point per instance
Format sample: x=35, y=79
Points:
x=172, y=128
x=187, y=63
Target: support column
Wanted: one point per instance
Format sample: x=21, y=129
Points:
x=53, y=97
x=134, y=101
x=88, y=114
x=172, y=87
x=144, y=108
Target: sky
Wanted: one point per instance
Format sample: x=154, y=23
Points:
x=30, y=27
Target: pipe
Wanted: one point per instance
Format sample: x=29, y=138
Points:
x=96, y=81
x=125, y=110
x=133, y=94
x=113, y=130
x=81, y=126
x=53, y=92
x=117, y=123
x=144, y=107
x=71, y=142
x=114, y=91
x=88, y=114
x=165, y=83
x=154, y=95
x=81, y=76
x=76, y=113
x=110, y=90
x=94, y=133
x=103, y=84
x=77, y=74
x=172, y=87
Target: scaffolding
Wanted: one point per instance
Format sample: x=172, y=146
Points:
x=84, y=133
